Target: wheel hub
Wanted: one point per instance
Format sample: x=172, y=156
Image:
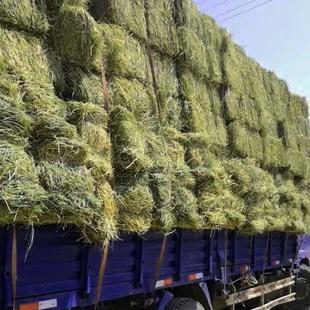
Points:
x=303, y=289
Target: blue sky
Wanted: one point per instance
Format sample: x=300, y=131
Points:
x=277, y=35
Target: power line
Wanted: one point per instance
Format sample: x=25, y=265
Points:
x=245, y=11
x=216, y=5
x=236, y=8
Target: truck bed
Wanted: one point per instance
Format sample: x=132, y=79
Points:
x=61, y=271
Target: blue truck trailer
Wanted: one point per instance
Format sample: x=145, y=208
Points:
x=49, y=267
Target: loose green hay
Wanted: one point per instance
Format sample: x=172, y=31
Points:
x=82, y=85
x=128, y=14
x=100, y=166
x=24, y=15
x=10, y=89
x=124, y=55
x=15, y=125
x=76, y=36
x=162, y=27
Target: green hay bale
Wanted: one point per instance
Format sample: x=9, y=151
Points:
x=72, y=197
x=53, y=7
x=96, y=137
x=50, y=127
x=134, y=96
x=218, y=206
x=162, y=32
x=189, y=15
x=81, y=113
x=202, y=112
x=109, y=216
x=24, y=15
x=76, y=37
x=128, y=14
x=221, y=210
x=136, y=204
x=99, y=166
x=21, y=197
x=299, y=164
x=185, y=207
x=73, y=152
x=274, y=152
x=128, y=136
x=246, y=143
x=10, y=89
x=234, y=67
x=124, y=55
x=193, y=53
x=171, y=113
x=243, y=110
x=249, y=181
x=83, y=85
x=166, y=77
x=15, y=125
x=23, y=58
x=164, y=218
x=294, y=207
x=298, y=106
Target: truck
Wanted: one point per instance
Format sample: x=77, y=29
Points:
x=51, y=267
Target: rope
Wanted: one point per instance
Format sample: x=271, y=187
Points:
x=264, y=268
x=151, y=62
x=102, y=269
x=14, y=266
x=105, y=89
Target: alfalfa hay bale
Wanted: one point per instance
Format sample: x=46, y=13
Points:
x=299, y=163
x=24, y=15
x=124, y=55
x=193, y=53
x=21, y=196
x=218, y=205
x=76, y=37
x=22, y=57
x=15, y=125
x=82, y=85
x=162, y=30
x=135, y=203
x=246, y=143
x=134, y=96
x=72, y=197
x=129, y=140
x=128, y=14
x=274, y=152
x=165, y=75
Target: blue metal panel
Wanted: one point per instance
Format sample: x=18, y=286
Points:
x=60, y=266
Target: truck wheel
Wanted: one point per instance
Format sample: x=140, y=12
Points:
x=184, y=304
x=303, y=286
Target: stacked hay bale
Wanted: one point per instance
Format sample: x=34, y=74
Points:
x=45, y=172
x=133, y=115
x=201, y=85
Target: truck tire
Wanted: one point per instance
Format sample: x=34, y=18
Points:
x=303, y=286
x=184, y=304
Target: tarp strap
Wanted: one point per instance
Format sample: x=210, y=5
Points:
x=102, y=269
x=264, y=268
x=151, y=62
x=105, y=88
x=250, y=253
x=14, y=266
x=160, y=260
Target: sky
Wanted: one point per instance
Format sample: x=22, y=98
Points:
x=277, y=35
